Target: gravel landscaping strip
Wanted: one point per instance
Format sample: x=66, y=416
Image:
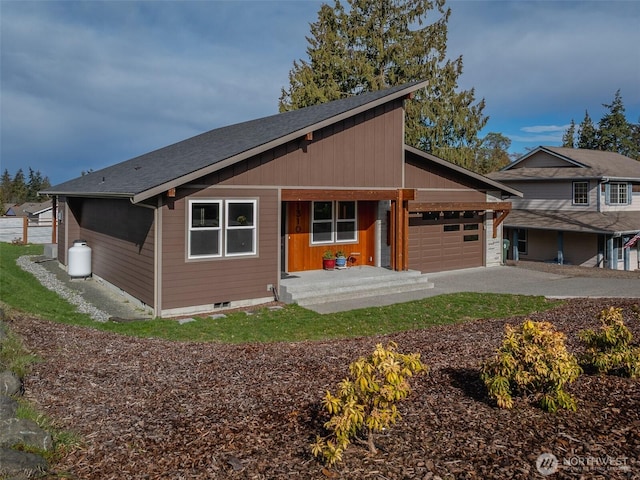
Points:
x=50, y=282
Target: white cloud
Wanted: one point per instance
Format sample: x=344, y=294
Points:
x=545, y=128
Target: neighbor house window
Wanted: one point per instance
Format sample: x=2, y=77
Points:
x=217, y=226
x=580, y=193
x=618, y=193
x=334, y=222
x=522, y=241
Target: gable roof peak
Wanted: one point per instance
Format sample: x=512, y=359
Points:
x=149, y=174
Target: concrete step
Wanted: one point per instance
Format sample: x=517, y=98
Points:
x=335, y=286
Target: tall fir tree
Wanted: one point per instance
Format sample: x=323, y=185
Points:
x=36, y=183
x=569, y=137
x=374, y=45
x=614, y=132
x=587, y=134
x=6, y=188
x=19, y=187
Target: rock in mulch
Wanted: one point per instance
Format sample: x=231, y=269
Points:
x=10, y=384
x=8, y=407
x=15, y=431
x=18, y=465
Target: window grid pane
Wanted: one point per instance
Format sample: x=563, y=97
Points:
x=618, y=194
x=580, y=194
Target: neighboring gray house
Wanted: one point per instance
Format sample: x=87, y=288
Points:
x=579, y=206
x=40, y=213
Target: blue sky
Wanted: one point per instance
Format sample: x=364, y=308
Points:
x=88, y=84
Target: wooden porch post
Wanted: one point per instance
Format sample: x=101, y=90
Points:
x=400, y=237
x=393, y=235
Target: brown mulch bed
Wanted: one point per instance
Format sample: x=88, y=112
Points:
x=150, y=408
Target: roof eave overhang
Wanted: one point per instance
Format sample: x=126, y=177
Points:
x=615, y=233
x=62, y=193
x=159, y=189
x=457, y=168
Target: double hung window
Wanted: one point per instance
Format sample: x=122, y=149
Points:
x=618, y=193
x=334, y=222
x=580, y=193
x=221, y=228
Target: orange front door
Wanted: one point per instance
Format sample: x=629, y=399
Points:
x=302, y=255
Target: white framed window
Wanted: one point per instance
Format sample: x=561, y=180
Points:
x=240, y=232
x=334, y=222
x=221, y=228
x=205, y=228
x=581, y=193
x=618, y=193
x=346, y=222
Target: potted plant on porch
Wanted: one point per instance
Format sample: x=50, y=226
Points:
x=341, y=259
x=328, y=260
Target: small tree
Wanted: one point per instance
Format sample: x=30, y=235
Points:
x=533, y=359
x=366, y=401
x=610, y=349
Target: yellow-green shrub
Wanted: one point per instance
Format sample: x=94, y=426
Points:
x=366, y=400
x=533, y=359
x=610, y=349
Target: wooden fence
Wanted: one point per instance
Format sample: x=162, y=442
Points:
x=19, y=229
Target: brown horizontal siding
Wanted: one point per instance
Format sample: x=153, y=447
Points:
x=187, y=283
x=362, y=151
x=121, y=238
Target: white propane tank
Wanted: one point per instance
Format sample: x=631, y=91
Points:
x=79, y=259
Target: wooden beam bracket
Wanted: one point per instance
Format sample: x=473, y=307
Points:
x=500, y=217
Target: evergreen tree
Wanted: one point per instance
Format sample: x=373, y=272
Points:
x=19, y=188
x=635, y=138
x=587, y=134
x=319, y=80
x=614, y=132
x=374, y=45
x=568, y=139
x=36, y=183
x=6, y=186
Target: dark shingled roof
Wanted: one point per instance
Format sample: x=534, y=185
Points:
x=175, y=164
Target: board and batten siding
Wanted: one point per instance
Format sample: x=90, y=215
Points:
x=122, y=241
x=198, y=285
x=364, y=151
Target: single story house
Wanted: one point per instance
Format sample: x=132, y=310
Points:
x=213, y=221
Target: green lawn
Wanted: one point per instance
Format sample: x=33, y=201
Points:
x=21, y=291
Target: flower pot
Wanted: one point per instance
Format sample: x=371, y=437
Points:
x=328, y=264
x=341, y=262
